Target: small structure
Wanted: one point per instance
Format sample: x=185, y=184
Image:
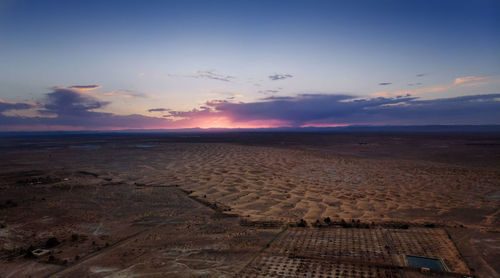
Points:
x=426, y=264
x=40, y=252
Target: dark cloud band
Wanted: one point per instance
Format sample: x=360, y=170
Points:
x=73, y=108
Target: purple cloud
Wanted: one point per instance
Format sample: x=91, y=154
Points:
x=84, y=87
x=76, y=109
x=70, y=102
x=344, y=109
x=5, y=106
x=277, y=98
x=159, y=110
x=65, y=107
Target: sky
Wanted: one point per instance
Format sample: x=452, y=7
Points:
x=110, y=65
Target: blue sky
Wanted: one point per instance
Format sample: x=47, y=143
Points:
x=194, y=59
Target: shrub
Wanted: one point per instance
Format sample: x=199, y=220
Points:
x=302, y=223
x=345, y=224
x=51, y=242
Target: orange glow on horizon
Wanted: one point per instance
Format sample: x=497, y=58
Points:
x=227, y=123
x=324, y=125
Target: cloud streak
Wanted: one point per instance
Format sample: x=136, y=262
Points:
x=89, y=90
x=275, y=77
x=7, y=106
x=466, y=81
x=469, y=81
x=84, y=87
x=122, y=94
x=206, y=74
x=159, y=110
x=268, y=92
x=210, y=74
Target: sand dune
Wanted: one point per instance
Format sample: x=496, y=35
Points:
x=272, y=183
x=289, y=184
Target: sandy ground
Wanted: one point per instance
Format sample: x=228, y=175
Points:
x=256, y=182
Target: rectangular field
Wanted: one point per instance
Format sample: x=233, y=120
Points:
x=340, y=252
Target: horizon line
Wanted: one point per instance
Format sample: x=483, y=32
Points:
x=434, y=128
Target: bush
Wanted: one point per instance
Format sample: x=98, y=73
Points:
x=345, y=224
x=51, y=242
x=29, y=253
x=302, y=223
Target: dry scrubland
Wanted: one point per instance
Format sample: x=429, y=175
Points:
x=178, y=201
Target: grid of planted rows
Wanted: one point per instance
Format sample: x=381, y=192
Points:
x=363, y=244
x=280, y=266
x=338, y=252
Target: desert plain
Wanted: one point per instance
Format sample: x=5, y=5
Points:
x=249, y=204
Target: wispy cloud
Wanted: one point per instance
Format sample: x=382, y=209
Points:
x=466, y=81
x=206, y=74
x=471, y=81
x=228, y=95
x=415, y=84
x=200, y=74
x=90, y=91
x=277, y=98
x=84, y=87
x=266, y=92
x=210, y=74
x=123, y=94
x=421, y=74
x=277, y=76
x=384, y=83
